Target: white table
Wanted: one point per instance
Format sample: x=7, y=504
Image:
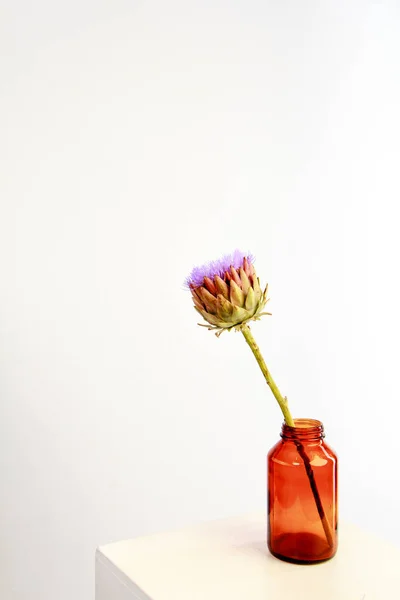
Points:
x=229, y=560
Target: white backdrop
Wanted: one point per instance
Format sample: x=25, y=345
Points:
x=139, y=139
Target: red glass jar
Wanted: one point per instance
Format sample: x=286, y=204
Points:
x=302, y=495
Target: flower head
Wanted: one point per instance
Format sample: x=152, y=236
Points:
x=227, y=292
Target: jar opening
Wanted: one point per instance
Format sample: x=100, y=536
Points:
x=304, y=429
x=306, y=423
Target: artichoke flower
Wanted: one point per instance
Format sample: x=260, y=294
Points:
x=227, y=292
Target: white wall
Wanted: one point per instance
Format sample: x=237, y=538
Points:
x=141, y=138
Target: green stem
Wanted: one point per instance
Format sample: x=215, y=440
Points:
x=282, y=401
x=248, y=336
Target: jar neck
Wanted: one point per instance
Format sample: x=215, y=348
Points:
x=305, y=430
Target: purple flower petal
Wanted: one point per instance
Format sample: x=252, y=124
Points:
x=217, y=267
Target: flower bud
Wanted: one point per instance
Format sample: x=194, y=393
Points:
x=227, y=292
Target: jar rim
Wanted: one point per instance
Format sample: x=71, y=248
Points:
x=305, y=424
x=305, y=429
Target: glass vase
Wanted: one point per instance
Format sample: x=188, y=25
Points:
x=302, y=495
